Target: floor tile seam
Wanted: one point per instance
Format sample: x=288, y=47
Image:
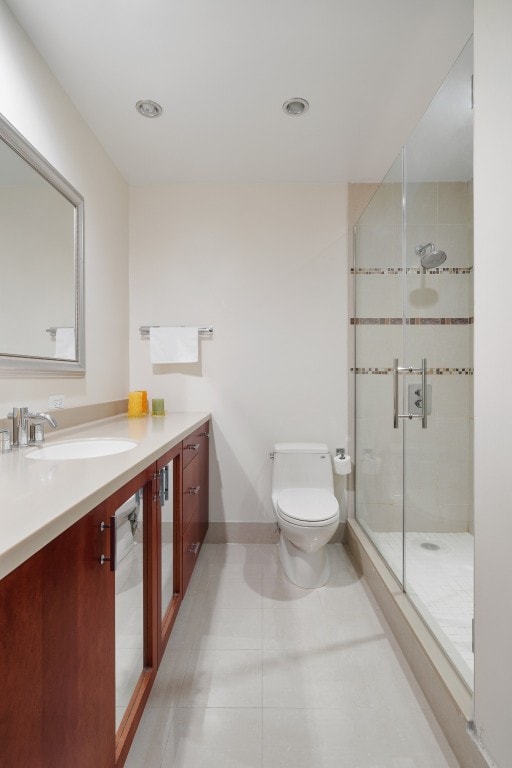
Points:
x=163, y=750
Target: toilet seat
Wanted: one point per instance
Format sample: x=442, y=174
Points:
x=307, y=506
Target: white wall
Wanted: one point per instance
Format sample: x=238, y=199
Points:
x=493, y=377
x=33, y=101
x=266, y=265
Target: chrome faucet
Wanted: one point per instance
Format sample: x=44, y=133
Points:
x=25, y=434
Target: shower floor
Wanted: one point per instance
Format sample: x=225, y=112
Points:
x=439, y=581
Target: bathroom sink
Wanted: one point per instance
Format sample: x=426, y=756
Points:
x=81, y=449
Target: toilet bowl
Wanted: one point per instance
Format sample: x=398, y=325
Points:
x=306, y=510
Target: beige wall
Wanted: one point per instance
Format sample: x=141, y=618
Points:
x=33, y=101
x=266, y=265
x=493, y=376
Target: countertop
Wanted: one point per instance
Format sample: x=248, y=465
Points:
x=40, y=499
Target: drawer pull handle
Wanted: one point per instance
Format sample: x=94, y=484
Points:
x=193, y=446
x=194, y=548
x=204, y=434
x=194, y=490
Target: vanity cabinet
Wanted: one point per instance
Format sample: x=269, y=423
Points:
x=195, y=497
x=81, y=635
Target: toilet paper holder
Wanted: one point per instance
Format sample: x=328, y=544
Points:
x=342, y=463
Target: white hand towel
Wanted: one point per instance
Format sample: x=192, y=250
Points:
x=65, y=344
x=174, y=345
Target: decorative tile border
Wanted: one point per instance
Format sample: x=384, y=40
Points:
x=376, y=321
x=410, y=271
x=412, y=321
x=430, y=371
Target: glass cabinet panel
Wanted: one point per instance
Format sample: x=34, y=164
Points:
x=167, y=536
x=129, y=590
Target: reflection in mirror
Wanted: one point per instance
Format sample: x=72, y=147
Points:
x=129, y=601
x=41, y=263
x=167, y=518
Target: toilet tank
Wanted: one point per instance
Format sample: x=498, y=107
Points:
x=301, y=465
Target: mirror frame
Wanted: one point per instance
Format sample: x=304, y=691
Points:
x=25, y=365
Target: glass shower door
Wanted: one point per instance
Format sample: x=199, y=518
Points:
x=438, y=309
x=378, y=320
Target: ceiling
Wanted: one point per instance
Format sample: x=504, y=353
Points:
x=221, y=69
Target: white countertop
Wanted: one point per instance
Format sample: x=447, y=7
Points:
x=40, y=499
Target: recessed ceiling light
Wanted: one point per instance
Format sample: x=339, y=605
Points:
x=295, y=107
x=148, y=108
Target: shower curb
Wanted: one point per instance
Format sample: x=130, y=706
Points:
x=449, y=698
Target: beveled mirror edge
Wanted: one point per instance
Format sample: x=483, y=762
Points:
x=24, y=365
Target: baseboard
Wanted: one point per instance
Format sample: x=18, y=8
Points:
x=446, y=693
x=242, y=533
x=252, y=533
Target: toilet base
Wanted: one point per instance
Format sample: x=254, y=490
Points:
x=305, y=569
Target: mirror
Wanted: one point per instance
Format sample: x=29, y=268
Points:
x=41, y=264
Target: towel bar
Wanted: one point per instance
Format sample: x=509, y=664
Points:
x=205, y=332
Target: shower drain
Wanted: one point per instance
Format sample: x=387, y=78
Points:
x=428, y=545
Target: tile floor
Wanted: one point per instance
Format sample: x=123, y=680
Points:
x=441, y=584
x=261, y=674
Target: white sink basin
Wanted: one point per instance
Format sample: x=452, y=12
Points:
x=81, y=449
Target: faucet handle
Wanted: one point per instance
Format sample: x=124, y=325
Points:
x=36, y=432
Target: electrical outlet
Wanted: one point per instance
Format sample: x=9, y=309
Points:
x=55, y=401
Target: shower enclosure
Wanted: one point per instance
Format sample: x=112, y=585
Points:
x=413, y=322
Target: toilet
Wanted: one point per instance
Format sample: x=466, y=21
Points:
x=306, y=509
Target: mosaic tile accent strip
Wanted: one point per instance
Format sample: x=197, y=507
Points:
x=430, y=371
x=439, y=320
x=376, y=321
x=410, y=271
x=412, y=320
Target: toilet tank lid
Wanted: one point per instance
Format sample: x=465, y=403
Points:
x=300, y=448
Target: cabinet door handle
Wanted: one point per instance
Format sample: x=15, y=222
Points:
x=164, y=485
x=194, y=548
x=113, y=543
x=166, y=481
x=204, y=434
x=193, y=446
x=193, y=490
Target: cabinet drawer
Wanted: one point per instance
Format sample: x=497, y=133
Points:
x=191, y=491
x=191, y=548
x=192, y=446
x=196, y=443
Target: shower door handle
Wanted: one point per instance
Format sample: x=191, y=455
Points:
x=423, y=414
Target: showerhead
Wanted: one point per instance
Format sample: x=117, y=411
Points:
x=430, y=257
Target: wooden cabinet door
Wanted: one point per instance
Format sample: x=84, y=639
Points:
x=78, y=713
x=168, y=542
x=21, y=666
x=57, y=654
x=203, y=434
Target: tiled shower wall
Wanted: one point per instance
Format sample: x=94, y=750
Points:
x=402, y=311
